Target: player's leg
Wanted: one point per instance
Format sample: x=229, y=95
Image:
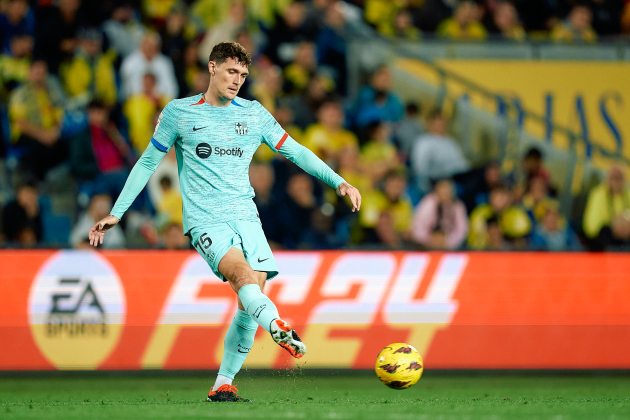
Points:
x=243, y=279
x=237, y=344
x=212, y=243
x=222, y=244
x=245, y=282
x=259, y=256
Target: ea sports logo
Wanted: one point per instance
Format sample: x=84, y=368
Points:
x=204, y=150
x=76, y=309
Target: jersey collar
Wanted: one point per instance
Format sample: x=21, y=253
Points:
x=203, y=101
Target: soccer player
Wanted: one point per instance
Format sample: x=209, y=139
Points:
x=215, y=135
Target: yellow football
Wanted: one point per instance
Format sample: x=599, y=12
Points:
x=399, y=366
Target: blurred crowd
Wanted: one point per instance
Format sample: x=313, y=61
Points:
x=83, y=83
x=517, y=20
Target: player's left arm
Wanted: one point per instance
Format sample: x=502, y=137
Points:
x=280, y=141
x=310, y=163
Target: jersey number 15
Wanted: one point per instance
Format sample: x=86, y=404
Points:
x=204, y=242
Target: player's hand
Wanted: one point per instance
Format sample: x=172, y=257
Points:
x=355, y=198
x=98, y=230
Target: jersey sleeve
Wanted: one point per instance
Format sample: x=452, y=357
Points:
x=138, y=178
x=273, y=135
x=309, y=162
x=166, y=129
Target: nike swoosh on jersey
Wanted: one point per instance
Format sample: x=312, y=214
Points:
x=200, y=128
x=259, y=260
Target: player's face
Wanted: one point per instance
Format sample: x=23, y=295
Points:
x=228, y=77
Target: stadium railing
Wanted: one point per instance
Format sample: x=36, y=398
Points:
x=494, y=131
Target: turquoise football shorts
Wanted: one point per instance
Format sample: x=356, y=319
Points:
x=214, y=241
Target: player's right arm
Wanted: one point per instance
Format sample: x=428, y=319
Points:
x=163, y=139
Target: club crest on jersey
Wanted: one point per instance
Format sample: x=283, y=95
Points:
x=240, y=128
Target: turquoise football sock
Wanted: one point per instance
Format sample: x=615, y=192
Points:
x=237, y=344
x=258, y=306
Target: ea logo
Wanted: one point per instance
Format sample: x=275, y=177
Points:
x=204, y=150
x=76, y=309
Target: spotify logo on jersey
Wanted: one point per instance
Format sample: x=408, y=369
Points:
x=204, y=150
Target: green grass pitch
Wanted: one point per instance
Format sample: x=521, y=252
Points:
x=294, y=395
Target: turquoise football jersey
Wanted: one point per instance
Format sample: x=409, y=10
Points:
x=214, y=147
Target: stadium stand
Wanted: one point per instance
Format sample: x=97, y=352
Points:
x=334, y=74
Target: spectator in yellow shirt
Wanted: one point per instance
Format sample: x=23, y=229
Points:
x=226, y=29
x=381, y=14
x=157, y=10
x=536, y=200
x=506, y=20
x=90, y=74
x=36, y=114
x=464, y=25
x=493, y=223
x=576, y=28
x=379, y=155
x=170, y=206
x=14, y=65
x=265, y=12
x=607, y=216
x=403, y=27
x=268, y=88
x=140, y=110
x=327, y=137
x=212, y=12
x=299, y=72
x=386, y=215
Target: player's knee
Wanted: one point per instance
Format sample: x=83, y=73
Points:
x=242, y=276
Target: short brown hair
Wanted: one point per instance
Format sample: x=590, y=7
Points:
x=224, y=50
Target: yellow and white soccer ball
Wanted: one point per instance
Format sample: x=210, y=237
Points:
x=399, y=365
